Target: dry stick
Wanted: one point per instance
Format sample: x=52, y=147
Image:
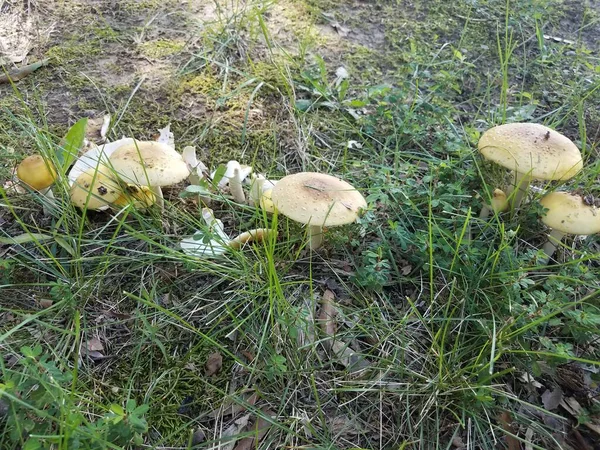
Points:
x=16, y=75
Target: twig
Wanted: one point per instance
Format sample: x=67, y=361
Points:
x=16, y=75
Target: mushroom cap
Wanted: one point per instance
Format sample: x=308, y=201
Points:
x=36, y=172
x=570, y=214
x=266, y=201
x=94, y=189
x=499, y=201
x=140, y=197
x=317, y=199
x=532, y=148
x=149, y=163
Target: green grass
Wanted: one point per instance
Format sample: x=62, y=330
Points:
x=446, y=311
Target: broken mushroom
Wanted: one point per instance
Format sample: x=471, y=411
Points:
x=532, y=151
x=149, y=163
x=317, y=200
x=94, y=190
x=568, y=214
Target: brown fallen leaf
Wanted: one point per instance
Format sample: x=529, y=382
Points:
x=46, y=303
x=551, y=399
x=327, y=315
x=575, y=409
x=249, y=356
x=505, y=419
x=213, y=364
x=94, y=345
x=232, y=409
x=260, y=428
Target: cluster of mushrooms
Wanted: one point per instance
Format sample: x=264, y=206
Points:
x=533, y=151
x=131, y=172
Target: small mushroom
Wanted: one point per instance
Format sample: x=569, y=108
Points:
x=149, y=163
x=568, y=214
x=317, y=200
x=531, y=151
x=498, y=204
x=37, y=172
x=95, y=190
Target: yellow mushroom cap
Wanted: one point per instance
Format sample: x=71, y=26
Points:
x=532, y=148
x=94, y=189
x=149, y=163
x=36, y=172
x=570, y=214
x=140, y=196
x=317, y=199
x=499, y=201
x=266, y=202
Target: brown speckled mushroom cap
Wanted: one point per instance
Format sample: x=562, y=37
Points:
x=570, y=214
x=94, y=189
x=317, y=199
x=149, y=163
x=532, y=148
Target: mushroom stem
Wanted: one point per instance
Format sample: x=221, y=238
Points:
x=160, y=199
x=485, y=212
x=554, y=238
x=315, y=236
x=235, y=187
x=48, y=200
x=521, y=184
x=256, y=235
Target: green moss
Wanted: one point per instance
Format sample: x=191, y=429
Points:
x=161, y=48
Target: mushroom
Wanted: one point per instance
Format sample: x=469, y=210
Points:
x=94, y=190
x=202, y=244
x=235, y=186
x=266, y=201
x=149, y=163
x=498, y=204
x=568, y=214
x=317, y=200
x=260, y=192
x=141, y=197
x=39, y=174
x=531, y=151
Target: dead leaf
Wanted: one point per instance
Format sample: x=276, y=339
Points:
x=249, y=356
x=528, y=438
x=551, y=399
x=233, y=430
x=575, y=409
x=233, y=409
x=46, y=303
x=505, y=419
x=213, y=364
x=260, y=428
x=328, y=315
x=348, y=357
x=198, y=437
x=458, y=442
x=94, y=345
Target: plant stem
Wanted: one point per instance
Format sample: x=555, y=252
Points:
x=315, y=236
x=554, y=238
